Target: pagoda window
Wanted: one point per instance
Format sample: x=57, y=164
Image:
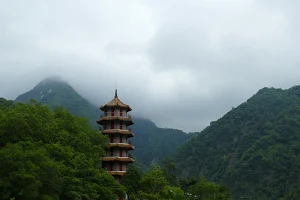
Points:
x=121, y=112
x=111, y=138
x=121, y=167
x=121, y=139
x=112, y=125
x=111, y=167
x=116, y=167
x=121, y=124
x=112, y=111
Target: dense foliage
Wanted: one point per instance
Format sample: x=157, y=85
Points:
x=154, y=184
x=254, y=148
x=48, y=154
x=152, y=144
x=5, y=103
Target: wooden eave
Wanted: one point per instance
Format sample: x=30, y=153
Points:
x=121, y=145
x=120, y=159
x=119, y=173
x=112, y=118
x=120, y=131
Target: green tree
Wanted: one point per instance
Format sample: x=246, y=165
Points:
x=153, y=181
x=206, y=190
x=170, y=170
x=131, y=180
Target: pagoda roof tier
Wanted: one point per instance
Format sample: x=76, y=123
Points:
x=115, y=102
x=120, y=159
x=120, y=131
x=119, y=173
x=127, y=119
x=121, y=145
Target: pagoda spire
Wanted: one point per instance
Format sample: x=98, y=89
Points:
x=116, y=93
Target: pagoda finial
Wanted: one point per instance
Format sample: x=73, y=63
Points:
x=116, y=93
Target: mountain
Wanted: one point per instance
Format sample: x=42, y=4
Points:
x=151, y=143
x=254, y=148
x=56, y=92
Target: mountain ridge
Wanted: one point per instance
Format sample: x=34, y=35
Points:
x=56, y=92
x=253, y=148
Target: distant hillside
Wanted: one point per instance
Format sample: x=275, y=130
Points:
x=152, y=143
x=254, y=148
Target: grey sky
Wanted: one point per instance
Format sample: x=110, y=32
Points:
x=180, y=63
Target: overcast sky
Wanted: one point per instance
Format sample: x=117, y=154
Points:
x=180, y=63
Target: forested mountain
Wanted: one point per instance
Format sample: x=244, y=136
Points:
x=254, y=148
x=152, y=143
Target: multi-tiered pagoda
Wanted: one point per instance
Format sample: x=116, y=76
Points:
x=115, y=123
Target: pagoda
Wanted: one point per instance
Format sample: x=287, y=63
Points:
x=115, y=123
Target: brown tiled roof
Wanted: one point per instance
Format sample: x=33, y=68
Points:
x=116, y=102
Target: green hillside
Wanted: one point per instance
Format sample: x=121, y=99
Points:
x=152, y=143
x=254, y=148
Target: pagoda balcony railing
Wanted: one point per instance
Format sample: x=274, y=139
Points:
x=109, y=128
x=114, y=114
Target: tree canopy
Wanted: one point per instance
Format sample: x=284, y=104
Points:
x=155, y=185
x=48, y=154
